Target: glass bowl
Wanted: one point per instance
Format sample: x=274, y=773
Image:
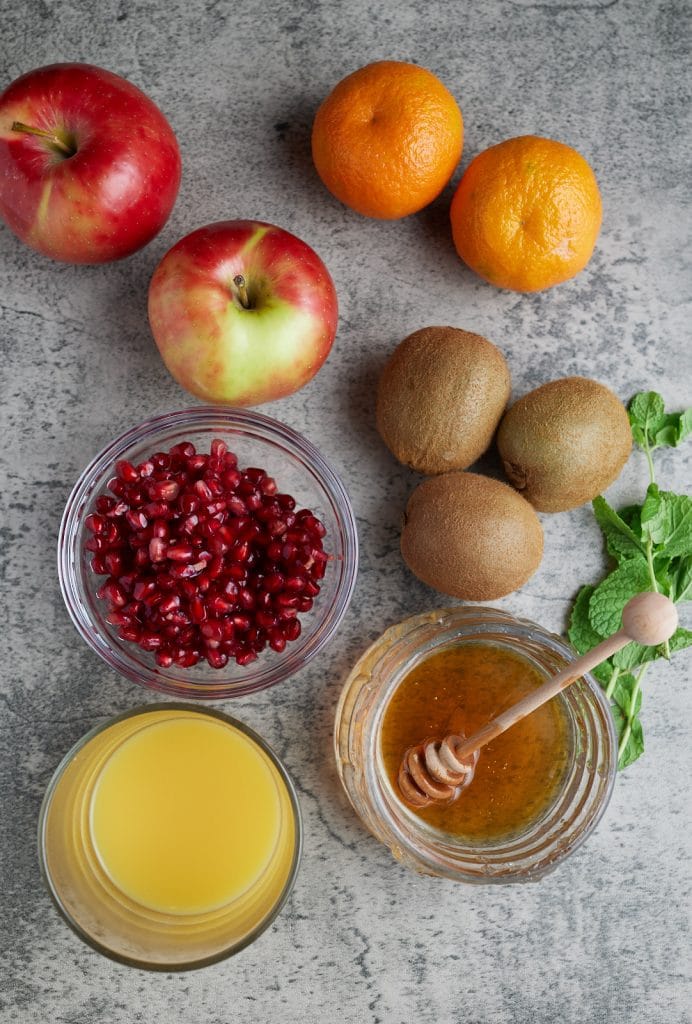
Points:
x=299, y=470
x=546, y=840
x=103, y=914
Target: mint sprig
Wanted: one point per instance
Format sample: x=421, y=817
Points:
x=651, y=545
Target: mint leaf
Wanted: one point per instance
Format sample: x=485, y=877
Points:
x=667, y=520
x=622, y=695
x=622, y=542
x=632, y=655
x=611, y=596
x=676, y=427
x=581, y=632
x=681, y=579
x=647, y=415
x=680, y=639
x=634, y=748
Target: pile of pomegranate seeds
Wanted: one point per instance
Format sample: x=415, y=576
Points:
x=204, y=560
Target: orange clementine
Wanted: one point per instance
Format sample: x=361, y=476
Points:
x=526, y=214
x=387, y=139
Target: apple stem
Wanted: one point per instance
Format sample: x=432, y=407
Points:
x=239, y=282
x=55, y=140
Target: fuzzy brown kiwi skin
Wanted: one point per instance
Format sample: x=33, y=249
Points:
x=470, y=536
x=564, y=443
x=440, y=398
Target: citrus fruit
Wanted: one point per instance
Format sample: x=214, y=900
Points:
x=387, y=139
x=526, y=214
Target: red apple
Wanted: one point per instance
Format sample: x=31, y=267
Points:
x=89, y=166
x=242, y=312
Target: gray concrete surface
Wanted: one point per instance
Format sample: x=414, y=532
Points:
x=604, y=939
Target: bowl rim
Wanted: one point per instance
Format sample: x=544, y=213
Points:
x=255, y=933
x=71, y=525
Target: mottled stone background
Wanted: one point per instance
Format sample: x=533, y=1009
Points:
x=606, y=938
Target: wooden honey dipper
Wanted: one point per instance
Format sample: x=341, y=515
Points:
x=439, y=771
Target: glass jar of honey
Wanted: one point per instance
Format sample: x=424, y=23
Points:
x=538, y=790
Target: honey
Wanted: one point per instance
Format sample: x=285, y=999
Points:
x=519, y=774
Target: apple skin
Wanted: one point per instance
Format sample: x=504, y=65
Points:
x=223, y=352
x=115, y=193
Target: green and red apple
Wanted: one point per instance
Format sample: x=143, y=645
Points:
x=242, y=312
x=89, y=166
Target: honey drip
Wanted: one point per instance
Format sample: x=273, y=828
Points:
x=518, y=775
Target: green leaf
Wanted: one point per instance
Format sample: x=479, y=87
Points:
x=632, y=517
x=622, y=542
x=581, y=632
x=632, y=655
x=634, y=748
x=647, y=415
x=676, y=427
x=622, y=694
x=680, y=573
x=680, y=639
x=667, y=520
x=611, y=596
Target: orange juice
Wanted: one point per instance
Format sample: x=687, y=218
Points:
x=170, y=837
x=185, y=815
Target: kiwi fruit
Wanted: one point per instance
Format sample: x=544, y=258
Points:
x=564, y=443
x=470, y=536
x=440, y=398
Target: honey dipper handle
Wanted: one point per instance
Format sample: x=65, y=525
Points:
x=648, y=619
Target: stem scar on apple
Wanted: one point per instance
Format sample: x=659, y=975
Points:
x=62, y=147
x=239, y=282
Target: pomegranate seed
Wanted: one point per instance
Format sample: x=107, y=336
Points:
x=244, y=657
x=112, y=591
x=104, y=504
x=217, y=659
x=189, y=503
x=198, y=611
x=277, y=641
x=143, y=588
x=286, y=614
x=304, y=604
x=183, y=450
x=274, y=582
x=157, y=510
x=160, y=528
x=157, y=549
x=96, y=544
x=211, y=630
x=131, y=633
x=151, y=641
x=197, y=463
x=295, y=583
x=266, y=619
x=219, y=605
x=218, y=448
x=169, y=604
x=126, y=471
x=285, y=600
x=241, y=622
x=292, y=629
x=127, y=582
x=230, y=478
x=227, y=629
x=113, y=562
x=239, y=552
x=180, y=552
x=136, y=519
x=203, y=490
x=95, y=523
x=98, y=565
x=119, y=618
x=187, y=659
x=286, y=502
x=164, y=490
x=311, y=589
x=145, y=469
x=268, y=486
x=164, y=658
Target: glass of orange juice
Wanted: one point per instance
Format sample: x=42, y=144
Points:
x=170, y=837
